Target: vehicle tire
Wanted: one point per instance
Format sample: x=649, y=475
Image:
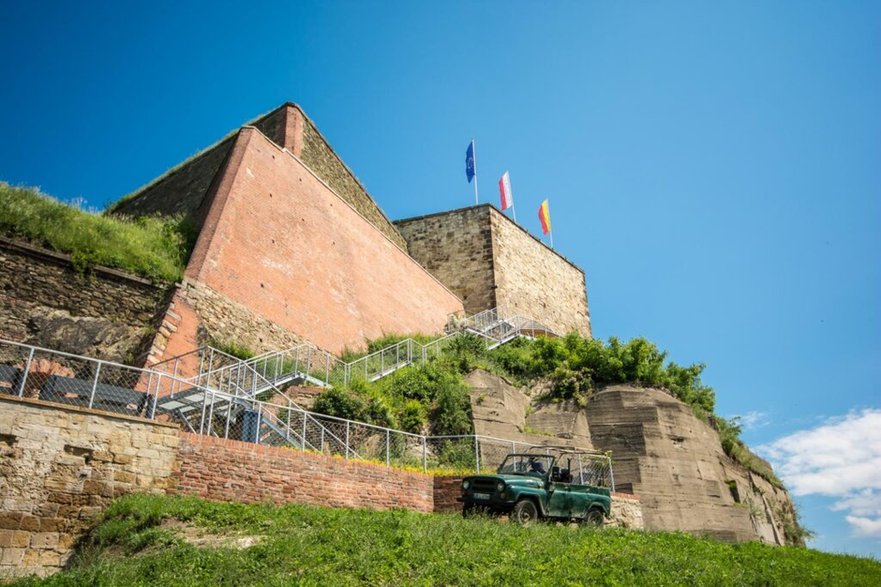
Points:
x=593, y=518
x=525, y=512
x=469, y=510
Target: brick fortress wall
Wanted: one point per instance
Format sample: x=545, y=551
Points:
x=183, y=189
x=490, y=261
x=44, y=301
x=280, y=243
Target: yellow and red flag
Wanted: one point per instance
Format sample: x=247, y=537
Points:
x=544, y=216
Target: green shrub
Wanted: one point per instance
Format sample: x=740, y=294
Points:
x=153, y=247
x=412, y=416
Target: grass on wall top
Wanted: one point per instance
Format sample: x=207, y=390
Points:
x=147, y=246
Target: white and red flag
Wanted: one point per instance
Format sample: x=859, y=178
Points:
x=505, y=194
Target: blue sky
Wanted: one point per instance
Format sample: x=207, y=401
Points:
x=714, y=168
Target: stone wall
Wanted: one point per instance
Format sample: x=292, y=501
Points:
x=490, y=261
x=198, y=316
x=535, y=281
x=278, y=241
x=44, y=301
x=231, y=470
x=626, y=512
x=60, y=466
x=456, y=247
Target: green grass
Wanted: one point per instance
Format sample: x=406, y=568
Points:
x=321, y=546
x=151, y=247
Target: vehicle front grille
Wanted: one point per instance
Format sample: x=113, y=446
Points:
x=485, y=485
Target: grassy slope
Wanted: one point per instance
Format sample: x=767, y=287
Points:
x=319, y=546
x=154, y=248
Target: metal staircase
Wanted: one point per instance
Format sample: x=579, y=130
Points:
x=305, y=364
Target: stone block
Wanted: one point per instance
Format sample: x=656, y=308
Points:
x=14, y=539
x=11, y=520
x=30, y=523
x=11, y=556
x=44, y=540
x=122, y=459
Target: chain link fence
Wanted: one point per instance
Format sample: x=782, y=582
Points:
x=220, y=403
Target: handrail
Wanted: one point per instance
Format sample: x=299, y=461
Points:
x=404, y=352
x=105, y=383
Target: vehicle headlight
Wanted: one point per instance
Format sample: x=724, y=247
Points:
x=500, y=486
x=466, y=484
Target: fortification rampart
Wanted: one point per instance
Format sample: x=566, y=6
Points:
x=184, y=188
x=61, y=466
x=279, y=242
x=490, y=261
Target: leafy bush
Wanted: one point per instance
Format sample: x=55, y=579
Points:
x=357, y=402
x=153, y=247
x=578, y=366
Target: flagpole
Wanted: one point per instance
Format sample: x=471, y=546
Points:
x=551, y=234
x=514, y=212
x=474, y=145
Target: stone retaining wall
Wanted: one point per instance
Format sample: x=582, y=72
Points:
x=59, y=467
x=44, y=301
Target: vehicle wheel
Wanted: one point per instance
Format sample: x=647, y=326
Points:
x=525, y=512
x=469, y=510
x=594, y=518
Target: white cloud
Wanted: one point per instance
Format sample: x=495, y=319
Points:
x=865, y=526
x=753, y=420
x=840, y=458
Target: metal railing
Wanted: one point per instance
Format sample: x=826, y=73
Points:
x=306, y=363
x=32, y=372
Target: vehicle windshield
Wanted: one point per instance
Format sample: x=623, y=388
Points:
x=537, y=465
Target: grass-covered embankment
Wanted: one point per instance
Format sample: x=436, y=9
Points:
x=152, y=247
x=295, y=545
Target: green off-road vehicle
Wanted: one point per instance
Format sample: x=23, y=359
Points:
x=544, y=483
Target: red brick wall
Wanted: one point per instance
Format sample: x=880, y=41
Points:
x=277, y=240
x=231, y=470
x=447, y=490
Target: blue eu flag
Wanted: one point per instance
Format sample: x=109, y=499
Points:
x=469, y=162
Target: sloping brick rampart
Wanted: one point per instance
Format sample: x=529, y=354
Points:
x=279, y=241
x=231, y=470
